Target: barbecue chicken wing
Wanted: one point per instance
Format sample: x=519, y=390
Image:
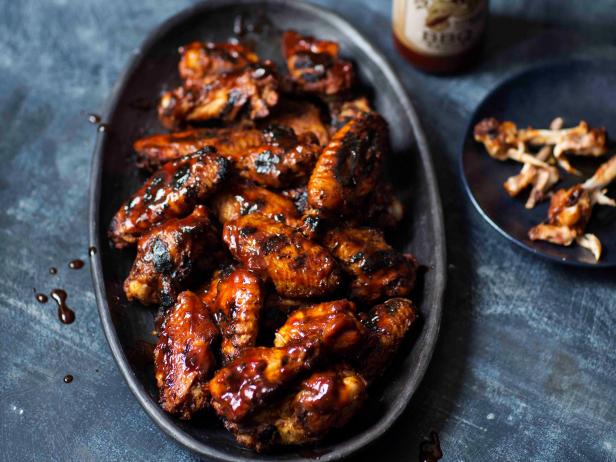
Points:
x=342, y=111
x=171, y=192
x=223, y=97
x=203, y=61
x=387, y=325
x=323, y=402
x=570, y=210
x=299, y=268
x=314, y=64
x=184, y=358
x=242, y=199
x=378, y=271
x=384, y=209
x=235, y=301
x=301, y=116
x=275, y=157
x=169, y=254
x=349, y=167
x=259, y=374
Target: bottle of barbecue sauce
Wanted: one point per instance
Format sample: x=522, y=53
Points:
x=439, y=36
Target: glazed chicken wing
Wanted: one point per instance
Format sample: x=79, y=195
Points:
x=235, y=305
x=387, y=325
x=349, y=167
x=343, y=111
x=299, y=268
x=314, y=64
x=171, y=192
x=242, y=199
x=203, y=61
x=223, y=97
x=274, y=157
x=169, y=254
x=378, y=271
x=301, y=116
x=184, y=358
x=323, y=402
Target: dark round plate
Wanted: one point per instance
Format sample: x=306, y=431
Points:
x=128, y=326
x=573, y=89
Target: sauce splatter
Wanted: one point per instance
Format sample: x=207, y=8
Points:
x=75, y=264
x=65, y=314
x=41, y=298
x=430, y=450
x=94, y=119
x=92, y=250
x=68, y=378
x=53, y=271
x=103, y=128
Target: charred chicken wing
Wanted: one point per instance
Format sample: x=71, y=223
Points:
x=299, y=268
x=349, y=167
x=314, y=64
x=171, y=192
x=387, y=325
x=378, y=271
x=303, y=117
x=169, y=254
x=184, y=358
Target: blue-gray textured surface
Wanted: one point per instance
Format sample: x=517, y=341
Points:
x=525, y=368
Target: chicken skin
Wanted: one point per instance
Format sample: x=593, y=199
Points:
x=378, y=271
x=169, y=254
x=258, y=374
x=349, y=167
x=343, y=111
x=323, y=402
x=243, y=199
x=171, y=192
x=301, y=116
x=254, y=87
x=184, y=358
x=387, y=325
x=314, y=64
x=332, y=323
x=274, y=157
x=202, y=61
x=298, y=268
x=235, y=304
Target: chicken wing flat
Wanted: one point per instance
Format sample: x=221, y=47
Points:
x=274, y=157
x=171, y=192
x=259, y=374
x=314, y=64
x=333, y=324
x=349, y=167
x=387, y=325
x=169, y=254
x=323, y=402
x=378, y=271
x=203, y=61
x=243, y=199
x=236, y=309
x=184, y=358
x=302, y=116
x=299, y=268
x=255, y=87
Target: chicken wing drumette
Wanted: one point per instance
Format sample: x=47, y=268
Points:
x=378, y=271
x=274, y=157
x=169, y=254
x=223, y=97
x=243, y=199
x=314, y=64
x=171, y=192
x=235, y=299
x=184, y=358
x=299, y=268
x=259, y=374
x=570, y=210
x=387, y=325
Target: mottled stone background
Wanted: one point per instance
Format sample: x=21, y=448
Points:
x=525, y=368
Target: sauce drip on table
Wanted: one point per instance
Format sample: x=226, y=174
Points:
x=75, y=264
x=53, y=270
x=65, y=314
x=94, y=119
x=68, y=378
x=430, y=450
x=41, y=298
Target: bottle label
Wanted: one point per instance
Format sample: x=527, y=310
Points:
x=443, y=27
